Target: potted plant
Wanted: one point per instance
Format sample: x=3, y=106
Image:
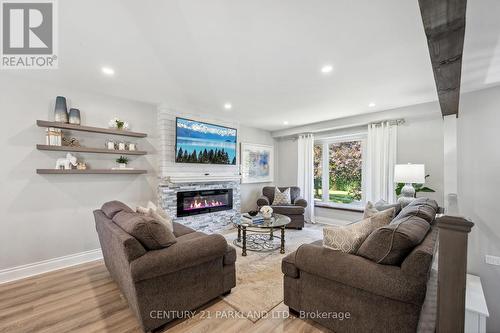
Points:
x=122, y=162
x=418, y=188
x=118, y=124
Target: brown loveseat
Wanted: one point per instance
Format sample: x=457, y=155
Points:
x=295, y=211
x=323, y=284
x=160, y=284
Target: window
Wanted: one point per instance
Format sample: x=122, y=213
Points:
x=338, y=171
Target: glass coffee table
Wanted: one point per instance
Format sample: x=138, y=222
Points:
x=260, y=236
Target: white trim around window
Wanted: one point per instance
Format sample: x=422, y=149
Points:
x=325, y=180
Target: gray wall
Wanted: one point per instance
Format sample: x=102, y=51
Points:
x=420, y=140
x=478, y=184
x=49, y=216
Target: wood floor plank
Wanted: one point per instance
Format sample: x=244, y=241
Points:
x=84, y=299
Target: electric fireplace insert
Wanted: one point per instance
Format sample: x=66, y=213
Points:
x=204, y=201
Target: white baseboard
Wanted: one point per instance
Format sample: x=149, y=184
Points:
x=24, y=271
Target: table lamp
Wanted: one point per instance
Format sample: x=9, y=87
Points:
x=408, y=174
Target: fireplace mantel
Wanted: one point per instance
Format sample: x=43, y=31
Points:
x=189, y=179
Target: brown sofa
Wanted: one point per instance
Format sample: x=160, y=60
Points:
x=320, y=283
x=295, y=211
x=160, y=284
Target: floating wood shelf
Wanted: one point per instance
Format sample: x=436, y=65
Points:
x=90, y=150
x=44, y=123
x=89, y=172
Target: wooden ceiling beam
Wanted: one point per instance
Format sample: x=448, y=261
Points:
x=444, y=24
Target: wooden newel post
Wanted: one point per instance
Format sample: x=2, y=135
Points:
x=452, y=273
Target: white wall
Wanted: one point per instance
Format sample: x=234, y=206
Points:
x=249, y=192
x=286, y=162
x=420, y=140
x=49, y=216
x=478, y=186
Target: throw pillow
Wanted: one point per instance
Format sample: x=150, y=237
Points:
x=157, y=214
x=391, y=244
x=111, y=208
x=369, y=210
x=422, y=207
x=383, y=205
x=349, y=238
x=281, y=198
x=152, y=234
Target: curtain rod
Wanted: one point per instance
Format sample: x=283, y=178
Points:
x=398, y=121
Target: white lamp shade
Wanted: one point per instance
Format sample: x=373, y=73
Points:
x=409, y=173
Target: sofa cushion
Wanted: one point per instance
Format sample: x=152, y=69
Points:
x=288, y=210
x=268, y=191
x=180, y=229
x=349, y=238
x=422, y=207
x=391, y=244
x=419, y=261
x=111, y=208
x=281, y=198
x=189, y=251
x=383, y=205
x=153, y=235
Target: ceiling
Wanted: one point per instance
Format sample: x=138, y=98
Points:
x=264, y=56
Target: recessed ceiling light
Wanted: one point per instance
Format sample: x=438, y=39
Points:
x=285, y=122
x=371, y=105
x=228, y=106
x=326, y=69
x=108, y=71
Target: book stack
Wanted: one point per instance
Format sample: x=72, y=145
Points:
x=53, y=137
x=258, y=219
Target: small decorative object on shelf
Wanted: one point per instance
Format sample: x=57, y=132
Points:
x=61, y=110
x=74, y=116
x=70, y=142
x=267, y=212
x=122, y=162
x=81, y=166
x=53, y=137
x=132, y=146
x=118, y=124
x=110, y=144
x=66, y=163
x=121, y=145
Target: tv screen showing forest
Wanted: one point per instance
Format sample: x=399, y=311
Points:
x=199, y=142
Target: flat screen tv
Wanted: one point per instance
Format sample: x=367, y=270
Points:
x=199, y=142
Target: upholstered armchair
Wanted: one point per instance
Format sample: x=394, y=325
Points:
x=295, y=211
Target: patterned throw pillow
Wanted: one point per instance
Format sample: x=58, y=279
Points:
x=349, y=238
x=281, y=198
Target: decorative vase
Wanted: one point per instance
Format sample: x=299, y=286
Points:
x=122, y=165
x=74, y=116
x=61, y=110
x=267, y=212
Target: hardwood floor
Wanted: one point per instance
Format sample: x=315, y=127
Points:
x=84, y=298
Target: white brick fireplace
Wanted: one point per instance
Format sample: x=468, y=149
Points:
x=175, y=177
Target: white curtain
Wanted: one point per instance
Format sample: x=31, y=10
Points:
x=305, y=173
x=380, y=160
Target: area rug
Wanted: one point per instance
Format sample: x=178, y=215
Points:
x=259, y=280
